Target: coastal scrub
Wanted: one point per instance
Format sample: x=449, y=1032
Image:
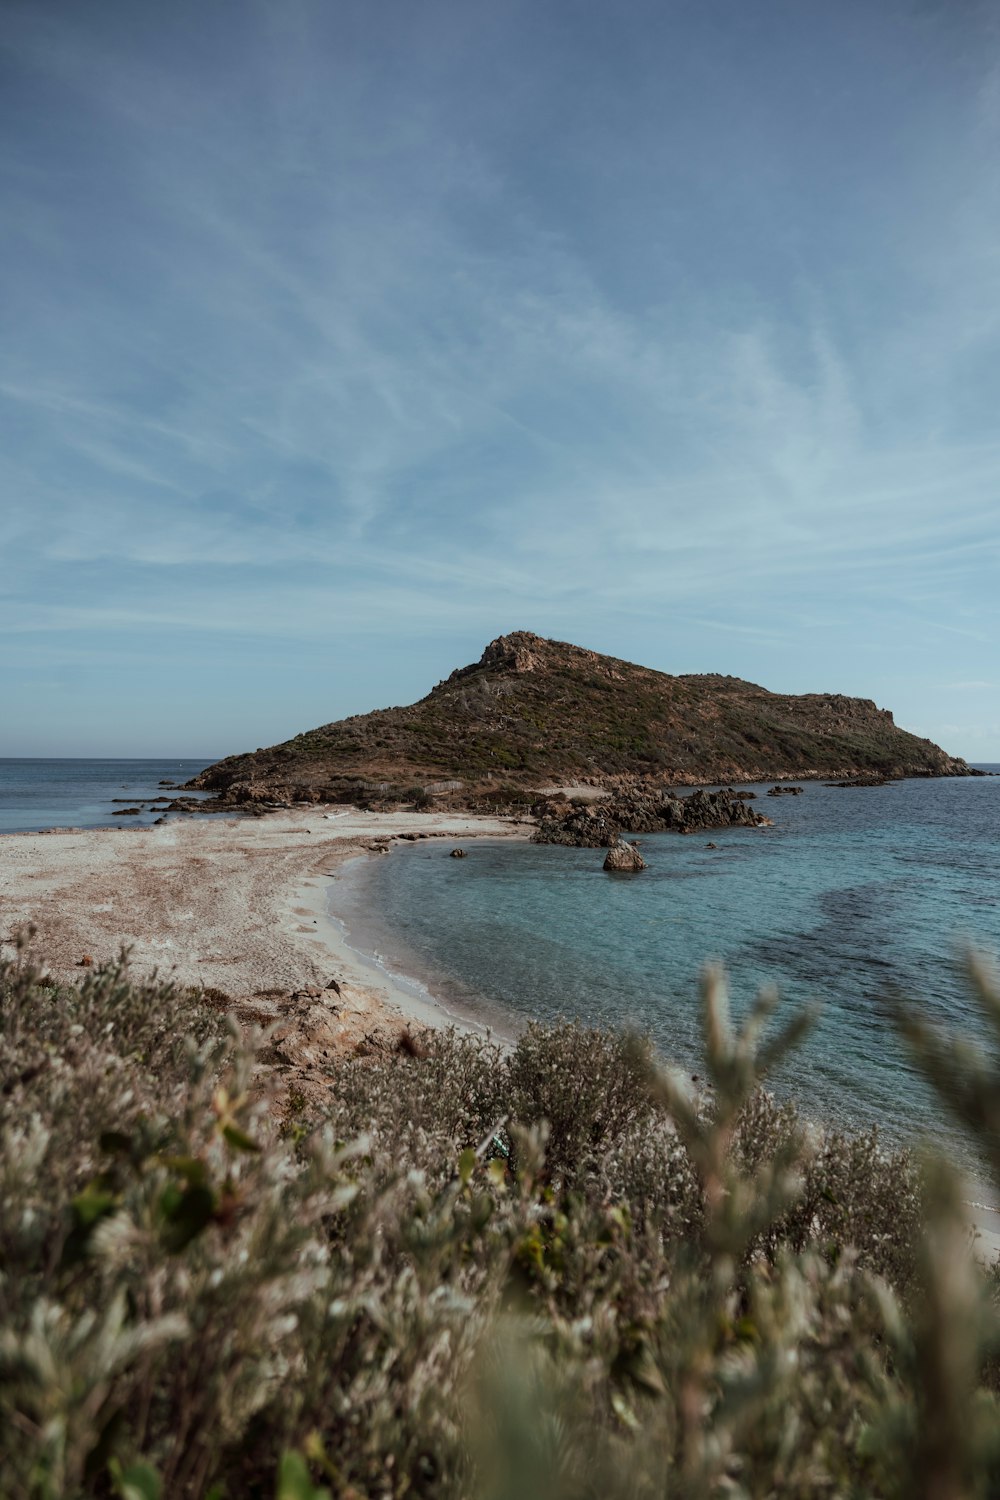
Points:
x=557, y=1271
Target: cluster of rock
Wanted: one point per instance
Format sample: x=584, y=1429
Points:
x=785, y=791
x=644, y=809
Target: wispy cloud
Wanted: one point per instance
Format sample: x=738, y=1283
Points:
x=402, y=332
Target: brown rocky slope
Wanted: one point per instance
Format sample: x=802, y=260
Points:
x=533, y=713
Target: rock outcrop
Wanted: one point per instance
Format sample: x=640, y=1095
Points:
x=644, y=809
x=624, y=857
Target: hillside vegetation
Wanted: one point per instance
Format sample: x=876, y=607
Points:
x=468, y=1275
x=534, y=712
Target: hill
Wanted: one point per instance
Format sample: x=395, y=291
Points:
x=533, y=713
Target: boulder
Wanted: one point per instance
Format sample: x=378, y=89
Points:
x=458, y=854
x=624, y=857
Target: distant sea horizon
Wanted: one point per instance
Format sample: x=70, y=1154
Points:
x=49, y=791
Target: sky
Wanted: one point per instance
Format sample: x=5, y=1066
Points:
x=340, y=337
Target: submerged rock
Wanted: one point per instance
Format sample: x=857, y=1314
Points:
x=624, y=857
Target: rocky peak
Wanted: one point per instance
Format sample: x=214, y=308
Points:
x=518, y=652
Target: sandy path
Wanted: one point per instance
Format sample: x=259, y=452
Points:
x=236, y=905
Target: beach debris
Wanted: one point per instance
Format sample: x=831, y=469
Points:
x=86, y=962
x=624, y=857
x=457, y=854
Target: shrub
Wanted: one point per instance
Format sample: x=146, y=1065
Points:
x=471, y=1273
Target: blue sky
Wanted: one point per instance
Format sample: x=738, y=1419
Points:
x=339, y=338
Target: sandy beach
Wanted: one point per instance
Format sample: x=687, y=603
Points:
x=239, y=907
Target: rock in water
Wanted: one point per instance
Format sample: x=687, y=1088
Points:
x=623, y=856
x=639, y=808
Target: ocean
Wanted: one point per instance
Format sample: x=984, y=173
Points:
x=37, y=794
x=853, y=897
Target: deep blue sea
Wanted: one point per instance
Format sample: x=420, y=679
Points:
x=36, y=794
x=851, y=896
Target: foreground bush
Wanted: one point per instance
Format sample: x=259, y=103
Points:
x=549, y=1273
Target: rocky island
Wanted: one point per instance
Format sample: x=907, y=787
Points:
x=587, y=744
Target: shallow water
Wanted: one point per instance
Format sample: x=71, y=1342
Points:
x=64, y=793
x=852, y=896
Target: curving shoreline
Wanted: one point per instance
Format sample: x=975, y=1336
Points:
x=243, y=909
x=238, y=907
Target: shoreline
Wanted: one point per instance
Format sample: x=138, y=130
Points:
x=414, y=999
x=238, y=907
x=246, y=909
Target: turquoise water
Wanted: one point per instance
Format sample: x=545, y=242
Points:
x=851, y=896
x=64, y=793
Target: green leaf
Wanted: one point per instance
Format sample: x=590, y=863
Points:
x=482, y=1208
x=186, y=1214
x=191, y=1168
x=294, y=1482
x=93, y=1203
x=139, y=1481
x=239, y=1139
x=466, y=1164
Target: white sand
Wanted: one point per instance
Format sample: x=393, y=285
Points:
x=237, y=905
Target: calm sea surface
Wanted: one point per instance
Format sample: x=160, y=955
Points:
x=36, y=794
x=851, y=896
